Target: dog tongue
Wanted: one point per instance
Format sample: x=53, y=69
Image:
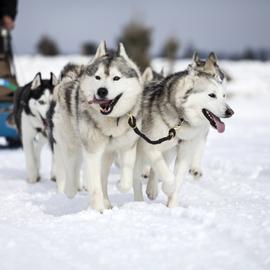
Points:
x=220, y=125
x=99, y=101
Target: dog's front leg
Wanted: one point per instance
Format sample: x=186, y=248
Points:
x=152, y=184
x=161, y=169
x=38, y=142
x=107, y=160
x=30, y=155
x=195, y=169
x=182, y=164
x=127, y=160
x=92, y=175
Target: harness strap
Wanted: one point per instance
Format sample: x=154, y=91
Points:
x=171, y=132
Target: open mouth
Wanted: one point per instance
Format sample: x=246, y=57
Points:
x=214, y=121
x=106, y=105
x=44, y=121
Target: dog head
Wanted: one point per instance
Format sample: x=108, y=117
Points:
x=203, y=101
x=208, y=67
x=150, y=76
x=40, y=95
x=111, y=83
x=70, y=72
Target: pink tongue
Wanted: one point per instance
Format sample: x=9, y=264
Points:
x=99, y=101
x=220, y=125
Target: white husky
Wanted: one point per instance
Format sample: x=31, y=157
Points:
x=89, y=121
x=190, y=100
x=31, y=104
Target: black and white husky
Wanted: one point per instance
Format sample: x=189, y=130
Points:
x=31, y=103
x=90, y=123
x=195, y=100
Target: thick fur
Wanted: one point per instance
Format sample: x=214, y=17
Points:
x=31, y=104
x=179, y=96
x=83, y=130
x=208, y=68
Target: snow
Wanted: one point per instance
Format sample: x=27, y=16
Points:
x=223, y=221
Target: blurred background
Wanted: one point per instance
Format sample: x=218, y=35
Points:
x=233, y=29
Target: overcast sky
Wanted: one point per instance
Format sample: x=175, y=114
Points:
x=218, y=25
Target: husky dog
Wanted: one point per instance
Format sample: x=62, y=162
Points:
x=89, y=122
x=150, y=76
x=209, y=68
x=192, y=99
x=31, y=103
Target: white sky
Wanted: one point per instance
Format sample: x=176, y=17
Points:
x=227, y=26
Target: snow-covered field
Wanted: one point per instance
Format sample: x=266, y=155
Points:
x=223, y=221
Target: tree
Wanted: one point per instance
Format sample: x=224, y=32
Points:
x=47, y=46
x=136, y=38
x=169, y=51
x=88, y=48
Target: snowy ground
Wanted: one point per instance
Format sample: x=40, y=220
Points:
x=223, y=221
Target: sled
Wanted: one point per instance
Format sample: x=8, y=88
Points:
x=8, y=86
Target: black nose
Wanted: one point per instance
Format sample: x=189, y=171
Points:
x=102, y=92
x=229, y=112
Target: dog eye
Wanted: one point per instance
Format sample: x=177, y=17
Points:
x=212, y=95
x=116, y=78
x=41, y=102
x=97, y=77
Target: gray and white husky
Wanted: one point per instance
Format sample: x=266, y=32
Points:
x=89, y=123
x=193, y=99
x=31, y=103
x=208, y=67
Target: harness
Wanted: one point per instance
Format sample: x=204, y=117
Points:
x=171, y=132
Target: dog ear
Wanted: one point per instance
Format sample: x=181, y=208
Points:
x=195, y=57
x=101, y=50
x=36, y=81
x=162, y=72
x=53, y=79
x=121, y=51
x=212, y=57
x=148, y=75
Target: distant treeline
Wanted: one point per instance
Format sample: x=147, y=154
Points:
x=137, y=39
x=247, y=54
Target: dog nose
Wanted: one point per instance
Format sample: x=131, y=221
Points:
x=229, y=112
x=102, y=92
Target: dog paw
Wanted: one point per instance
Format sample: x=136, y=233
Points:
x=33, y=179
x=61, y=186
x=98, y=205
x=196, y=173
x=124, y=186
x=107, y=204
x=172, y=202
x=152, y=190
x=71, y=192
x=168, y=187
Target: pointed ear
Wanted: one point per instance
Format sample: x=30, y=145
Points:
x=195, y=57
x=148, y=75
x=36, y=82
x=53, y=79
x=121, y=51
x=162, y=72
x=212, y=57
x=101, y=51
